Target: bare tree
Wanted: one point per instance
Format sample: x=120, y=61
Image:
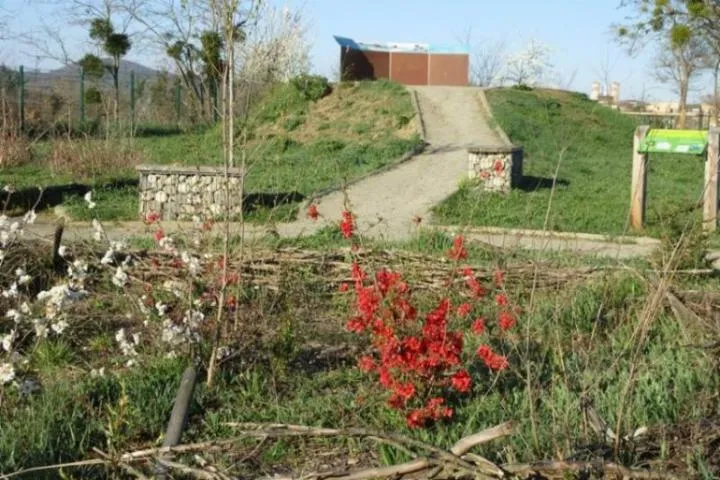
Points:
x=487, y=59
x=679, y=66
x=604, y=70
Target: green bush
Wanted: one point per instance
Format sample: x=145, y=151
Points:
x=313, y=87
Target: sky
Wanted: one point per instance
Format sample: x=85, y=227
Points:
x=577, y=31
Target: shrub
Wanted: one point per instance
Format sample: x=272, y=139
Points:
x=313, y=87
x=14, y=150
x=424, y=360
x=87, y=160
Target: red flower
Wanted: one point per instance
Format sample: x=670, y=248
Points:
x=159, y=234
x=347, y=226
x=151, y=218
x=506, y=320
x=312, y=212
x=344, y=287
x=499, y=167
x=416, y=418
x=478, y=326
x=405, y=390
x=491, y=359
x=458, y=252
x=478, y=290
x=356, y=325
x=366, y=364
x=357, y=272
x=502, y=300
x=497, y=363
x=461, y=381
x=464, y=309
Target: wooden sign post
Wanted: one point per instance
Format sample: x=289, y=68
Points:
x=686, y=142
x=710, y=193
x=639, y=180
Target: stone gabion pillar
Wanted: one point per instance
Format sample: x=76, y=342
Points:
x=496, y=168
x=187, y=192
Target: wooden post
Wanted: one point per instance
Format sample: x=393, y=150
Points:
x=639, y=180
x=710, y=194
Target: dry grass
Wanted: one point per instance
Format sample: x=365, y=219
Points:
x=15, y=150
x=86, y=160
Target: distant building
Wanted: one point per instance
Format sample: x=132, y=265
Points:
x=405, y=63
x=601, y=95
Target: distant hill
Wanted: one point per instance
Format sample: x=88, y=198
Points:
x=72, y=73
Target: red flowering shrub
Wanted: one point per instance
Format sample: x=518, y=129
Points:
x=422, y=359
x=347, y=226
x=312, y=212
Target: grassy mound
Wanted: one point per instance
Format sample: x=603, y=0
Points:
x=301, y=137
x=588, y=148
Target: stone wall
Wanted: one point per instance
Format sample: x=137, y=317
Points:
x=187, y=192
x=496, y=168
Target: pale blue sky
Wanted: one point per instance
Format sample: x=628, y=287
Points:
x=578, y=31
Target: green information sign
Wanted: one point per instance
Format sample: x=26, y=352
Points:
x=690, y=142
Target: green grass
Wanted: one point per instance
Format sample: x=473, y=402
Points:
x=590, y=148
x=296, y=145
x=578, y=344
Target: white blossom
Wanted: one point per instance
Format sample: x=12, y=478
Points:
x=97, y=373
x=14, y=314
x=25, y=308
x=89, y=200
x=7, y=373
x=30, y=217
x=59, y=327
x=193, y=263
x=23, y=277
x=98, y=231
x=161, y=308
x=41, y=330
x=8, y=340
x=120, y=278
x=62, y=251
x=11, y=292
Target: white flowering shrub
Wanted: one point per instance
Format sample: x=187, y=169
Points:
x=163, y=307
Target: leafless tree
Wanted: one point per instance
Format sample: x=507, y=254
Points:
x=680, y=66
x=487, y=59
x=605, y=68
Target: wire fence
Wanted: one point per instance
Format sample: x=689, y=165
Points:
x=70, y=100
x=693, y=121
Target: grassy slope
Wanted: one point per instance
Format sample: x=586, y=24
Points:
x=296, y=146
x=590, y=147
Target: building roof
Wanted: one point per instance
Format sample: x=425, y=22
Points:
x=396, y=47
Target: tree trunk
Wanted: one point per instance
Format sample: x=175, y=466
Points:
x=682, y=107
x=716, y=92
x=116, y=85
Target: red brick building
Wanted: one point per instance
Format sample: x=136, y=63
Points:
x=405, y=63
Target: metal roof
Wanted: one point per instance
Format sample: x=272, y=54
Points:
x=401, y=47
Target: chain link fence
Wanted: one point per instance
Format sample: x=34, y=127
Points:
x=69, y=100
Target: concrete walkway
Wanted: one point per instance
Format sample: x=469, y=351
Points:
x=386, y=204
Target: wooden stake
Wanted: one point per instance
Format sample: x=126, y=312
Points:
x=710, y=195
x=639, y=180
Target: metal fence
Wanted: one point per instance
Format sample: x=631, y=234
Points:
x=693, y=121
x=69, y=99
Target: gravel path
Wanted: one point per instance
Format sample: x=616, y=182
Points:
x=386, y=204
